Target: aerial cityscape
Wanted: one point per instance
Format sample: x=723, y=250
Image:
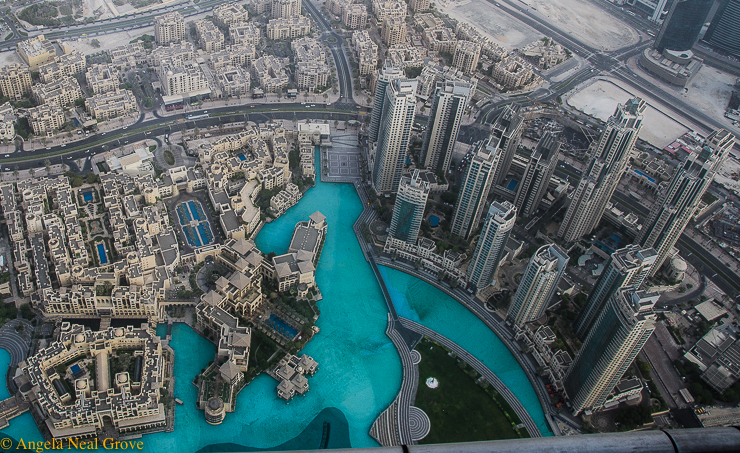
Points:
x=305, y=224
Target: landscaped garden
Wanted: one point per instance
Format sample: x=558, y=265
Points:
x=459, y=409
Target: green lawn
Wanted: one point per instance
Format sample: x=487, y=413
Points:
x=459, y=409
x=169, y=157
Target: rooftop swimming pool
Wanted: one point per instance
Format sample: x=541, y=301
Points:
x=433, y=220
x=87, y=196
x=101, y=254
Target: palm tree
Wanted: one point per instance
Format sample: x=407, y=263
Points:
x=15, y=171
x=47, y=165
x=31, y=171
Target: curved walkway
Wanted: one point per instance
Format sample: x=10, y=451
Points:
x=393, y=426
x=510, y=398
x=494, y=324
x=13, y=342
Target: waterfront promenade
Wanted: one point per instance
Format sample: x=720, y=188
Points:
x=483, y=370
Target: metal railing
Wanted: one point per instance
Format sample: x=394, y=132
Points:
x=695, y=440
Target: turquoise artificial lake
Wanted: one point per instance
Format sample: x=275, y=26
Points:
x=359, y=369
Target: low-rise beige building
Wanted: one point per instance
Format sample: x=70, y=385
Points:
x=36, y=51
x=63, y=91
x=45, y=119
x=440, y=40
x=513, y=72
x=210, y=37
x=310, y=75
x=466, y=56
x=230, y=13
x=308, y=49
x=270, y=73
x=286, y=8
x=240, y=34
x=394, y=31
x=288, y=28
x=366, y=52
x=242, y=55
x=169, y=28
x=111, y=104
x=15, y=81
x=127, y=56
x=186, y=78
x=385, y=9
x=419, y=5
x=70, y=64
x=404, y=56
x=354, y=16
x=101, y=78
x=233, y=81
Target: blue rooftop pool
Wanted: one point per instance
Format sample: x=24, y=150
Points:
x=282, y=326
x=87, y=196
x=433, y=220
x=101, y=254
x=512, y=184
x=241, y=156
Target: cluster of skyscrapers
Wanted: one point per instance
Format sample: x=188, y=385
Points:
x=617, y=318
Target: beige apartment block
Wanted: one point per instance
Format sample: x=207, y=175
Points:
x=512, y=72
x=466, y=56
x=308, y=49
x=337, y=6
x=127, y=56
x=233, y=81
x=428, y=20
x=177, y=52
x=36, y=51
x=169, y=28
x=440, y=40
x=45, y=118
x=210, y=37
x=15, y=81
x=419, y=5
x=230, y=13
x=354, y=17
x=285, y=8
x=384, y=9
x=70, y=64
x=394, y=31
x=270, y=73
x=262, y=6
x=288, y=28
x=404, y=56
x=7, y=130
x=366, y=51
x=309, y=75
x=185, y=78
x=101, y=78
x=242, y=55
x=109, y=105
x=63, y=92
x=240, y=34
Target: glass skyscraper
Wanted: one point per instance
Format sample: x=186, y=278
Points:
x=683, y=24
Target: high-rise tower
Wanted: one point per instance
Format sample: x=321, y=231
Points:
x=448, y=106
x=408, y=211
x=626, y=267
x=396, y=120
x=678, y=200
x=724, y=31
x=537, y=175
x=608, y=163
x=682, y=25
x=491, y=243
x=385, y=76
x=474, y=188
x=508, y=129
x=619, y=333
x=538, y=284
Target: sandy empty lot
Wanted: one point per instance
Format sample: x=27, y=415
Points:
x=588, y=23
x=601, y=98
x=491, y=21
